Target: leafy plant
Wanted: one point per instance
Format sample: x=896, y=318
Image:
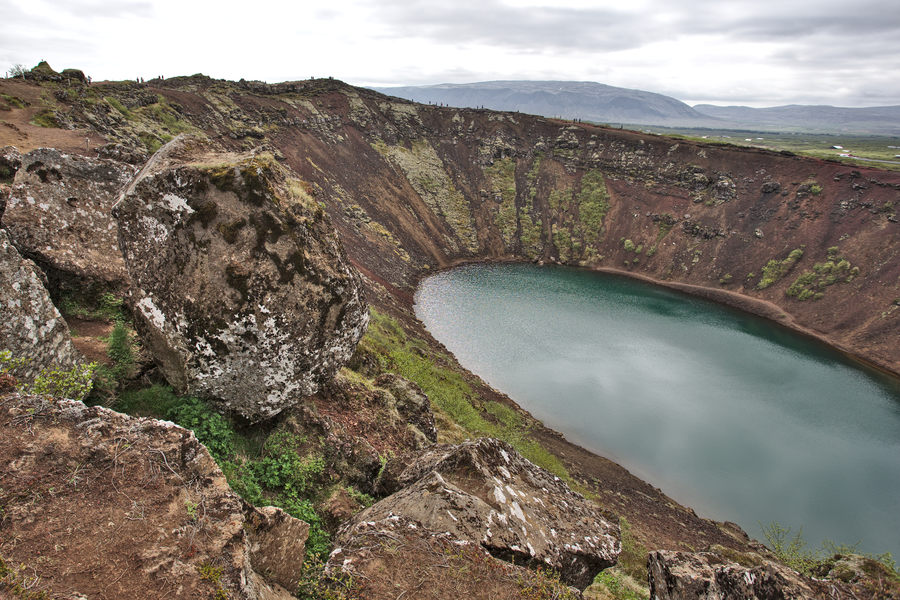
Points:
x=211, y=428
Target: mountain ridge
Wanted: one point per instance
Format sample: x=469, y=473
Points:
x=603, y=103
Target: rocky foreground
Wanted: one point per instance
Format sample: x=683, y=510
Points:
x=244, y=254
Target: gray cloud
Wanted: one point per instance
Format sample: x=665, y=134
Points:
x=493, y=23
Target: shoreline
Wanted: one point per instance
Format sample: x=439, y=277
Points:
x=757, y=307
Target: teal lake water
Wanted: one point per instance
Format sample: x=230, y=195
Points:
x=732, y=415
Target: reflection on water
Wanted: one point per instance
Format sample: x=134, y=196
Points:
x=730, y=414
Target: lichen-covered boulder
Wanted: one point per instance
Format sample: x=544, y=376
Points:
x=484, y=492
x=411, y=403
x=396, y=557
x=709, y=576
x=58, y=213
x=242, y=292
x=31, y=328
x=100, y=504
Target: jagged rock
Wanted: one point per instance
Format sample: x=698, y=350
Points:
x=137, y=500
x=396, y=557
x=484, y=492
x=770, y=187
x=277, y=545
x=31, y=328
x=411, y=402
x=10, y=162
x=709, y=576
x=242, y=290
x=59, y=213
x=724, y=189
x=122, y=153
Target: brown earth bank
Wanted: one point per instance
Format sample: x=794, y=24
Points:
x=412, y=189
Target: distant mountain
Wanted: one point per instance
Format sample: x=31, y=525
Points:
x=566, y=99
x=608, y=104
x=883, y=120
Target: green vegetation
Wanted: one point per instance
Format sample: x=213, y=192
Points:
x=450, y=394
x=8, y=102
x=774, y=270
x=74, y=383
x=45, y=117
x=818, y=145
x=279, y=473
x=577, y=217
x=793, y=551
x=812, y=284
x=103, y=307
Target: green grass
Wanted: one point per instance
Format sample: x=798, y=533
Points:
x=45, y=118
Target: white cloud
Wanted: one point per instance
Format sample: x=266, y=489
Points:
x=761, y=52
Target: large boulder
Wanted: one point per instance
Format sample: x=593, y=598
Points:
x=242, y=292
x=709, y=576
x=58, y=213
x=99, y=504
x=484, y=492
x=396, y=557
x=31, y=328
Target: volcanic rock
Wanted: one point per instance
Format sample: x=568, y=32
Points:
x=58, y=213
x=484, y=492
x=708, y=576
x=242, y=290
x=31, y=328
x=411, y=402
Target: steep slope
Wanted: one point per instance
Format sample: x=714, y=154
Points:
x=567, y=99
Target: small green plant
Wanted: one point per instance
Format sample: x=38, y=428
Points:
x=791, y=549
x=629, y=246
x=212, y=429
x=191, y=508
x=74, y=383
x=316, y=584
x=774, y=270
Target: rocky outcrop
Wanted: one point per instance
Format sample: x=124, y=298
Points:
x=411, y=403
x=10, y=162
x=59, y=214
x=277, y=545
x=31, y=329
x=242, y=291
x=105, y=505
x=483, y=492
x=708, y=576
x=396, y=557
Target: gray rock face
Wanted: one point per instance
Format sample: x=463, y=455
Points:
x=31, y=327
x=411, y=402
x=708, y=576
x=59, y=213
x=484, y=492
x=242, y=291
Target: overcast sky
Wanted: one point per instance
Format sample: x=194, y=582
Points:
x=753, y=52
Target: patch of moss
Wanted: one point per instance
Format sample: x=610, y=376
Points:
x=8, y=102
x=811, y=284
x=46, y=117
x=774, y=270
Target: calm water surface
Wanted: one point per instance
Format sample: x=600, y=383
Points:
x=730, y=414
